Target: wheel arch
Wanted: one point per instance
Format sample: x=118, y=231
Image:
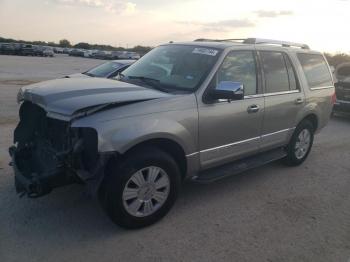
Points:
x=170, y=146
x=313, y=119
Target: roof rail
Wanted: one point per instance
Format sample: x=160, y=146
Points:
x=255, y=41
x=274, y=42
x=218, y=40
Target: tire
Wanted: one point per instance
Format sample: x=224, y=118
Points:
x=120, y=179
x=294, y=156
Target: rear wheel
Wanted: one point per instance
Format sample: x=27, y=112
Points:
x=300, y=144
x=141, y=190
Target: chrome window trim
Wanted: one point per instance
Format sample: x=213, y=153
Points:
x=264, y=95
x=321, y=87
x=273, y=94
x=240, y=142
x=282, y=93
x=253, y=96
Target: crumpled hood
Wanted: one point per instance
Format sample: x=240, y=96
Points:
x=68, y=96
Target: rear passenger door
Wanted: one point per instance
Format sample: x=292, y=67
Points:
x=283, y=98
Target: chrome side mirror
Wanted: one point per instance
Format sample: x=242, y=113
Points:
x=228, y=90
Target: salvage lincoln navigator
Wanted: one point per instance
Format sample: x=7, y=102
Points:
x=201, y=110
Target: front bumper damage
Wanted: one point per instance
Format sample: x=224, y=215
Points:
x=35, y=182
x=48, y=153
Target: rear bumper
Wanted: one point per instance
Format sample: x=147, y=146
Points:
x=36, y=184
x=342, y=106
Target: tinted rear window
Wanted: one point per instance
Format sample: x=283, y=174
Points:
x=276, y=74
x=316, y=70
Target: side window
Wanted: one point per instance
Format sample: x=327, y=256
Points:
x=239, y=66
x=315, y=69
x=275, y=72
x=291, y=74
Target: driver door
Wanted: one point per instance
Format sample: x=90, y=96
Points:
x=229, y=130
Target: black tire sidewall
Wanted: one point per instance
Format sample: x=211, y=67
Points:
x=120, y=174
x=291, y=158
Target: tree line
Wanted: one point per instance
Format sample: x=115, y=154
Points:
x=333, y=59
x=336, y=59
x=64, y=43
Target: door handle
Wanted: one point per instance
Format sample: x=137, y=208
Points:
x=299, y=100
x=253, y=109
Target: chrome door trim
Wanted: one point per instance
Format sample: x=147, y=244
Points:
x=192, y=154
x=240, y=142
x=277, y=132
x=228, y=145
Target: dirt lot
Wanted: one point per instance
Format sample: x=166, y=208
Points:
x=273, y=213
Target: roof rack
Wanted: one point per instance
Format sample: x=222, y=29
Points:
x=255, y=41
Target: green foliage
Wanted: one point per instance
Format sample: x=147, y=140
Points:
x=82, y=45
x=141, y=49
x=337, y=59
x=64, y=43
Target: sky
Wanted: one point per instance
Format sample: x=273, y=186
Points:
x=322, y=24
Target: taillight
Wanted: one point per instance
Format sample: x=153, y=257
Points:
x=334, y=98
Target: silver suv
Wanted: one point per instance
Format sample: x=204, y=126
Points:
x=201, y=110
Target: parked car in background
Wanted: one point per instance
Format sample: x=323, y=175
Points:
x=89, y=53
x=105, y=70
x=225, y=107
x=342, y=88
x=58, y=50
x=116, y=54
x=27, y=50
x=66, y=50
x=76, y=52
x=102, y=55
x=38, y=50
x=7, y=49
x=18, y=47
x=48, y=51
x=126, y=55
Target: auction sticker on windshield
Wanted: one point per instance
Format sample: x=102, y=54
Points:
x=205, y=51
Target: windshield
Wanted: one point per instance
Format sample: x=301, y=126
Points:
x=103, y=70
x=174, y=67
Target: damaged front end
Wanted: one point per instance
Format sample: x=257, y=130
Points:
x=49, y=153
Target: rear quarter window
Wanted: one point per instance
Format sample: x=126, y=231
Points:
x=316, y=70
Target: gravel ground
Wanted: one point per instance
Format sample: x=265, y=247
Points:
x=272, y=213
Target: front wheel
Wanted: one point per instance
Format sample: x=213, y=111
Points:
x=141, y=190
x=300, y=144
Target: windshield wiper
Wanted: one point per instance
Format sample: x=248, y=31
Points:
x=155, y=83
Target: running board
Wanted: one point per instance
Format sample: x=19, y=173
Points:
x=239, y=166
